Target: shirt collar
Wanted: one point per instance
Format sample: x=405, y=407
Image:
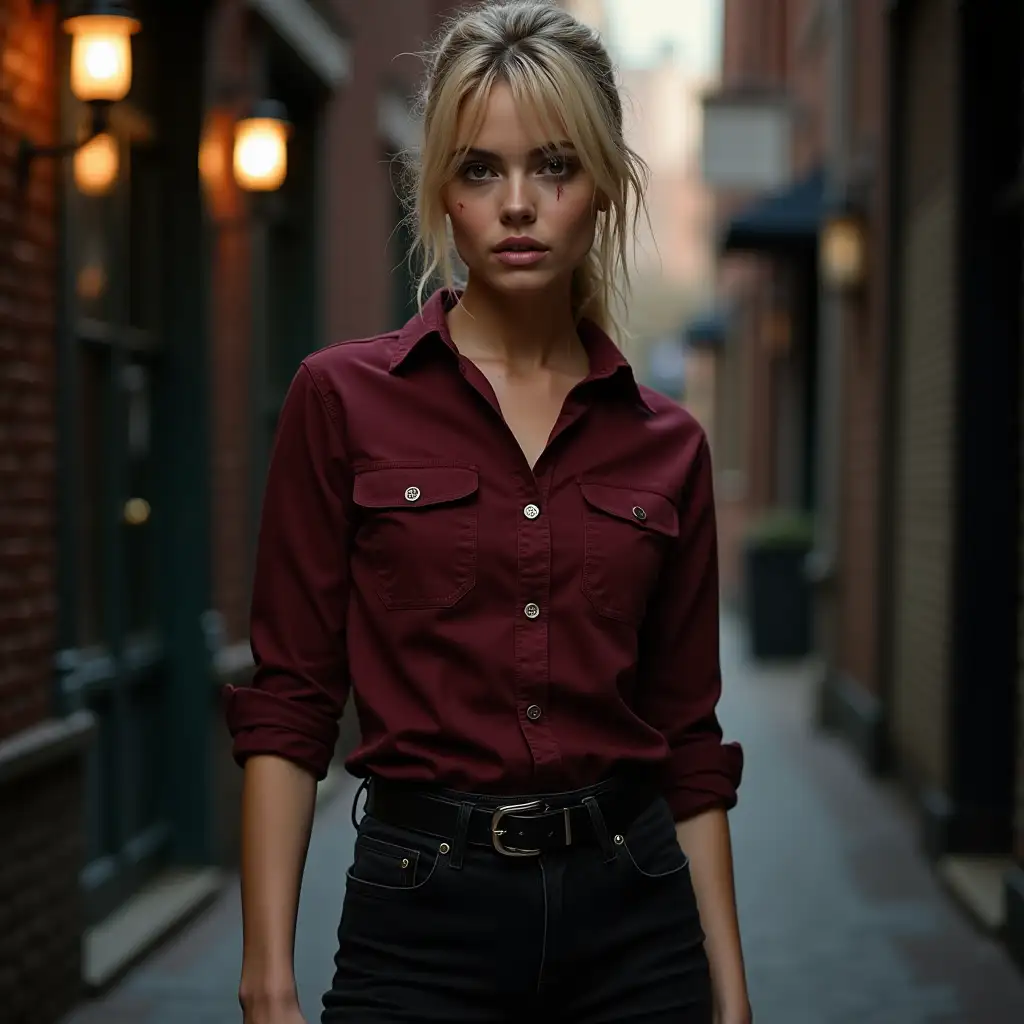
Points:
x=606, y=360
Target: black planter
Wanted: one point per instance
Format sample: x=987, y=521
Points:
x=777, y=601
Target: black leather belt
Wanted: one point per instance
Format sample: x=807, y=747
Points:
x=526, y=828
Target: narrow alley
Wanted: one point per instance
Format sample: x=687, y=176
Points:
x=843, y=921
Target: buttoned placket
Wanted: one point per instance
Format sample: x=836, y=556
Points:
x=532, y=626
x=531, y=629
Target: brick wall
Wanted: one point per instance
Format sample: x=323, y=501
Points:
x=40, y=906
x=40, y=785
x=361, y=200
x=27, y=428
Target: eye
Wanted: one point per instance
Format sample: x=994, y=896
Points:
x=557, y=166
x=476, y=172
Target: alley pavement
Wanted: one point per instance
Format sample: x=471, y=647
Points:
x=843, y=921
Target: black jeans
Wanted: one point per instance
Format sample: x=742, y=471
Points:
x=589, y=935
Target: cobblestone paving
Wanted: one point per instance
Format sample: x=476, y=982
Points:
x=843, y=921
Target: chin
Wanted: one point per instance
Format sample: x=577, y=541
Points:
x=522, y=282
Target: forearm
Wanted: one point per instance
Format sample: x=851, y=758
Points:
x=706, y=841
x=278, y=799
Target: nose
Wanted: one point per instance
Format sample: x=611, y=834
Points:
x=518, y=205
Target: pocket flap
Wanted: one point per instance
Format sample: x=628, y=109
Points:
x=645, y=509
x=413, y=487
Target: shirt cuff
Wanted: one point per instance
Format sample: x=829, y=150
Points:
x=261, y=722
x=703, y=778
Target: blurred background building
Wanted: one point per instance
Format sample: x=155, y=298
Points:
x=831, y=282
x=667, y=56
x=866, y=165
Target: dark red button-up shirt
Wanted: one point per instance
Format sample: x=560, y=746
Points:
x=503, y=630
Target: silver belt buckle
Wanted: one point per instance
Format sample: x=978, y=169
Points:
x=497, y=832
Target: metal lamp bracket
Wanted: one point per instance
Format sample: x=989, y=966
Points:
x=28, y=151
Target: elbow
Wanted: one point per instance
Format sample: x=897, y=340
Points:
x=263, y=722
x=703, y=778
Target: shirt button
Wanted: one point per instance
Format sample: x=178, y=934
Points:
x=533, y=712
x=531, y=511
x=412, y=494
x=532, y=610
x=639, y=513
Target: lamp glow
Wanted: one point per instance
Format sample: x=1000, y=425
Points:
x=101, y=56
x=843, y=252
x=261, y=153
x=96, y=165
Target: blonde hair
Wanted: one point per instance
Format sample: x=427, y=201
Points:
x=560, y=67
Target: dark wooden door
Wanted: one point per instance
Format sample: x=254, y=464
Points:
x=112, y=659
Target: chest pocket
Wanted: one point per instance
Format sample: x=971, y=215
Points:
x=626, y=533
x=419, y=532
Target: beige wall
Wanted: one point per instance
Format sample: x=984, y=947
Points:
x=924, y=502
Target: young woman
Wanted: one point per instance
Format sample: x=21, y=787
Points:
x=505, y=547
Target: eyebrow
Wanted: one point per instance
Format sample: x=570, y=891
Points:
x=473, y=153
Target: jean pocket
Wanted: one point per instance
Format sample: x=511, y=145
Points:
x=386, y=869
x=651, y=846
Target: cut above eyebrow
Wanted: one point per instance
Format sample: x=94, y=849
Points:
x=473, y=153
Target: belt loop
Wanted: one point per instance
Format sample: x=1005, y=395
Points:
x=600, y=828
x=364, y=785
x=461, y=831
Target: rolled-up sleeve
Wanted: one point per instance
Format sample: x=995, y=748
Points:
x=680, y=678
x=300, y=590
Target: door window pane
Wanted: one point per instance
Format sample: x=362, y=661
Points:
x=93, y=419
x=93, y=287
x=137, y=515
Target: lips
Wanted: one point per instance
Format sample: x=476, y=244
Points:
x=520, y=245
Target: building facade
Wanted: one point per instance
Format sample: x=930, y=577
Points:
x=951, y=588
x=910, y=436
x=147, y=336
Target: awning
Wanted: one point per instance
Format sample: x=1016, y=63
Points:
x=706, y=331
x=781, y=222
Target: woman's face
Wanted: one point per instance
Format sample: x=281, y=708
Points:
x=523, y=210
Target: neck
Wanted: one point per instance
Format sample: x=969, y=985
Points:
x=524, y=334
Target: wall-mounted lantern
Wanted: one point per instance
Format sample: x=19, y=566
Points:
x=261, y=148
x=101, y=51
x=843, y=250
x=101, y=74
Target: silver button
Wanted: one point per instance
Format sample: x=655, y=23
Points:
x=533, y=712
x=531, y=511
x=532, y=610
x=413, y=494
x=639, y=513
